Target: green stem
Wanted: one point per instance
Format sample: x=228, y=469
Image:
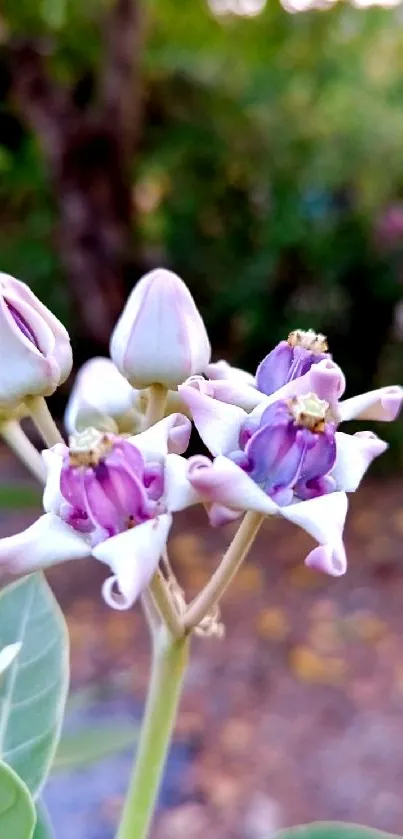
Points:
x=166, y=608
x=18, y=441
x=170, y=657
x=231, y=561
x=157, y=399
x=43, y=420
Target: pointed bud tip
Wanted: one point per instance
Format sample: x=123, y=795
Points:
x=160, y=337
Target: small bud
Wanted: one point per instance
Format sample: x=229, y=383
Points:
x=102, y=398
x=160, y=337
x=34, y=345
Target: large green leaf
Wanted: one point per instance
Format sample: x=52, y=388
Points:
x=333, y=830
x=33, y=689
x=17, y=811
x=43, y=828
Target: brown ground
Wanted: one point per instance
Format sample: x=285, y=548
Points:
x=298, y=711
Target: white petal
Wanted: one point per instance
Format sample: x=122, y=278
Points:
x=328, y=559
x=133, y=556
x=219, y=515
x=47, y=542
x=52, y=497
x=170, y=434
x=222, y=370
x=383, y=404
x=101, y=397
x=232, y=390
x=323, y=518
x=160, y=335
x=355, y=453
x=178, y=491
x=235, y=393
x=224, y=483
x=218, y=423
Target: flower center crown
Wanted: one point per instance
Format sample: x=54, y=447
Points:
x=89, y=447
x=309, y=411
x=315, y=342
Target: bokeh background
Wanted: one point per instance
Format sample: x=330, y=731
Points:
x=257, y=150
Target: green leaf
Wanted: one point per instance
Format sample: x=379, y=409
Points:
x=17, y=811
x=33, y=689
x=332, y=830
x=91, y=745
x=43, y=828
x=7, y=656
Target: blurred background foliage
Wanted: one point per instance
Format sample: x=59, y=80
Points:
x=261, y=158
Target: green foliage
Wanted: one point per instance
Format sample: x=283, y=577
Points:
x=333, y=830
x=43, y=828
x=33, y=689
x=17, y=812
x=92, y=745
x=262, y=176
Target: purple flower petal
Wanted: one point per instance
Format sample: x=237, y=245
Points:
x=153, y=480
x=115, y=499
x=22, y=324
x=77, y=519
x=127, y=455
x=276, y=455
x=272, y=372
x=72, y=484
x=320, y=458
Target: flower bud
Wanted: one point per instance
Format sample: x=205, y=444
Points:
x=34, y=345
x=102, y=398
x=160, y=337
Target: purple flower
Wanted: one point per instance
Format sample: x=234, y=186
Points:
x=112, y=498
x=286, y=457
x=291, y=450
x=104, y=482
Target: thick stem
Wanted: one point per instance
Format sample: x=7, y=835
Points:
x=170, y=659
x=226, y=570
x=157, y=398
x=151, y=612
x=18, y=441
x=43, y=420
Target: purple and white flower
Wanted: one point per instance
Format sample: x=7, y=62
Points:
x=112, y=498
x=34, y=345
x=286, y=457
x=299, y=365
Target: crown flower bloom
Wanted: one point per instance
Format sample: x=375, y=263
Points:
x=33, y=342
x=287, y=458
x=297, y=366
x=160, y=337
x=102, y=398
x=112, y=498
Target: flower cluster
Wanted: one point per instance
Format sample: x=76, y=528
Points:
x=274, y=438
